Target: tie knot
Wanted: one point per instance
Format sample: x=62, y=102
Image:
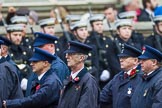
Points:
x=145, y=76
x=125, y=75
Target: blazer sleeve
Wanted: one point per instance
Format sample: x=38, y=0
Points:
x=46, y=95
x=106, y=94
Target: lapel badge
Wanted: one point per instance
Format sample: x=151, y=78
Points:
x=143, y=50
x=145, y=93
x=129, y=90
x=77, y=87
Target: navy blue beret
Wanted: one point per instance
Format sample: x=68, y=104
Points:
x=5, y=40
x=42, y=55
x=42, y=38
x=78, y=47
x=129, y=51
x=151, y=53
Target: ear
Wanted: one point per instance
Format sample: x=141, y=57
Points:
x=154, y=62
x=81, y=58
x=75, y=33
x=118, y=31
x=8, y=36
x=135, y=60
x=45, y=63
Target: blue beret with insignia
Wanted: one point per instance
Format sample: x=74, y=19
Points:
x=130, y=51
x=77, y=47
x=151, y=53
x=42, y=55
x=42, y=38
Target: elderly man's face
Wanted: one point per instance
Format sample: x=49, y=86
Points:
x=147, y=65
x=128, y=63
x=73, y=59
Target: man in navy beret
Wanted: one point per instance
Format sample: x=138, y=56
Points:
x=47, y=42
x=80, y=89
x=148, y=93
x=46, y=91
x=117, y=93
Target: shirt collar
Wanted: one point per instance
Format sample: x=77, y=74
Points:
x=149, y=12
x=150, y=73
x=40, y=76
x=131, y=70
x=73, y=75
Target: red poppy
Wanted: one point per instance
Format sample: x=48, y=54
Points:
x=37, y=87
x=76, y=79
x=133, y=72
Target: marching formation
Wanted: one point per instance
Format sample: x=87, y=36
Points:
x=82, y=68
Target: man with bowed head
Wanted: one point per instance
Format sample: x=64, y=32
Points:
x=80, y=89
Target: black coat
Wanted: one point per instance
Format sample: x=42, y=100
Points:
x=20, y=55
x=80, y=93
x=144, y=16
x=46, y=96
x=105, y=49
